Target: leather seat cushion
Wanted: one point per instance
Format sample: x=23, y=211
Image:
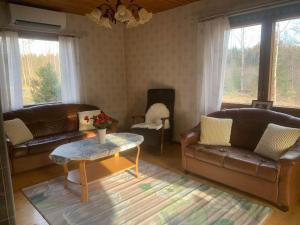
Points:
x=47, y=143
x=211, y=154
x=241, y=160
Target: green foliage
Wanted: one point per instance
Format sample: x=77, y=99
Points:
x=45, y=86
x=233, y=79
x=287, y=76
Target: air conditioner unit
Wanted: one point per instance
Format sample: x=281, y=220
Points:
x=36, y=19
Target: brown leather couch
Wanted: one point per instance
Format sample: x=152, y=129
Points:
x=51, y=125
x=238, y=166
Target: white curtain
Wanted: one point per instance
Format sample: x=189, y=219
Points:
x=10, y=72
x=212, y=46
x=69, y=68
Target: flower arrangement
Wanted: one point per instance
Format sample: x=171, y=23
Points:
x=100, y=121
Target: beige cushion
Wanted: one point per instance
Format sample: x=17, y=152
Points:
x=215, y=131
x=17, y=131
x=276, y=140
x=83, y=124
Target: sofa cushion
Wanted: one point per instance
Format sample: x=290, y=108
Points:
x=276, y=140
x=207, y=153
x=215, y=131
x=48, y=143
x=17, y=131
x=87, y=125
x=247, y=162
x=51, y=142
x=249, y=124
x=50, y=119
x=240, y=160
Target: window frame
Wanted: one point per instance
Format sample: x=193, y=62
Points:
x=38, y=36
x=248, y=24
x=267, y=19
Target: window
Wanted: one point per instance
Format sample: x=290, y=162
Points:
x=242, y=67
x=41, y=78
x=263, y=60
x=285, y=80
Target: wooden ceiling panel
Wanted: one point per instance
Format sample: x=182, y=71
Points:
x=85, y=6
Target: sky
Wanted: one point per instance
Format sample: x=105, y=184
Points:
x=38, y=47
x=289, y=31
x=252, y=37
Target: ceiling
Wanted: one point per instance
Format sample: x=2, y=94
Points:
x=85, y=6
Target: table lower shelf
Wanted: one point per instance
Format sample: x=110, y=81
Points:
x=99, y=169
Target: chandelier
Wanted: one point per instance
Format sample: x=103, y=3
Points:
x=132, y=15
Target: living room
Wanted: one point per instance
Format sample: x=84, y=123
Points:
x=101, y=102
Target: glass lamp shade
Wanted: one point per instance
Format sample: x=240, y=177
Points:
x=123, y=14
x=95, y=15
x=144, y=15
x=104, y=22
x=132, y=23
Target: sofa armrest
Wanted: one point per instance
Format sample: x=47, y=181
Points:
x=291, y=157
x=190, y=137
x=289, y=177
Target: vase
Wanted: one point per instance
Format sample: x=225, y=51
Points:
x=101, y=135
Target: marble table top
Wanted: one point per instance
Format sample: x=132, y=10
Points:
x=91, y=149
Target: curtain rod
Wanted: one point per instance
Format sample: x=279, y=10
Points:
x=248, y=10
x=38, y=32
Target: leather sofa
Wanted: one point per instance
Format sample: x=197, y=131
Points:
x=238, y=166
x=51, y=125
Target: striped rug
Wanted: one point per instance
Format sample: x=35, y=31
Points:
x=159, y=196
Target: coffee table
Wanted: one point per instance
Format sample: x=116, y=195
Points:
x=89, y=150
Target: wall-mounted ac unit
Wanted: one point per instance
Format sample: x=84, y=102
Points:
x=36, y=19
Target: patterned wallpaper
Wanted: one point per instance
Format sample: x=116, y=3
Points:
x=102, y=65
x=119, y=65
x=162, y=53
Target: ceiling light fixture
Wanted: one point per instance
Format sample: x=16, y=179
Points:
x=131, y=15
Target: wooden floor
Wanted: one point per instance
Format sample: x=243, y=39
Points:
x=26, y=214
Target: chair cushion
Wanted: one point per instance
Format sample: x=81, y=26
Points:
x=276, y=140
x=240, y=160
x=215, y=131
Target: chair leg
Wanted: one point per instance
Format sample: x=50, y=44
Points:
x=162, y=140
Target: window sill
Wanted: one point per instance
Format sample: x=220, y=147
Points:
x=41, y=104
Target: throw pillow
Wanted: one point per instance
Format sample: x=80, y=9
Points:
x=215, y=131
x=83, y=124
x=17, y=131
x=276, y=140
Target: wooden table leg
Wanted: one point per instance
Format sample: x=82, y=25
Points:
x=83, y=182
x=66, y=172
x=137, y=162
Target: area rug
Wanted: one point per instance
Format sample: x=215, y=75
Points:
x=159, y=196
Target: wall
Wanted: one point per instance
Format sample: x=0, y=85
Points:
x=120, y=65
x=162, y=53
x=102, y=63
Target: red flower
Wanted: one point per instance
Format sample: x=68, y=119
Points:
x=101, y=120
x=87, y=119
